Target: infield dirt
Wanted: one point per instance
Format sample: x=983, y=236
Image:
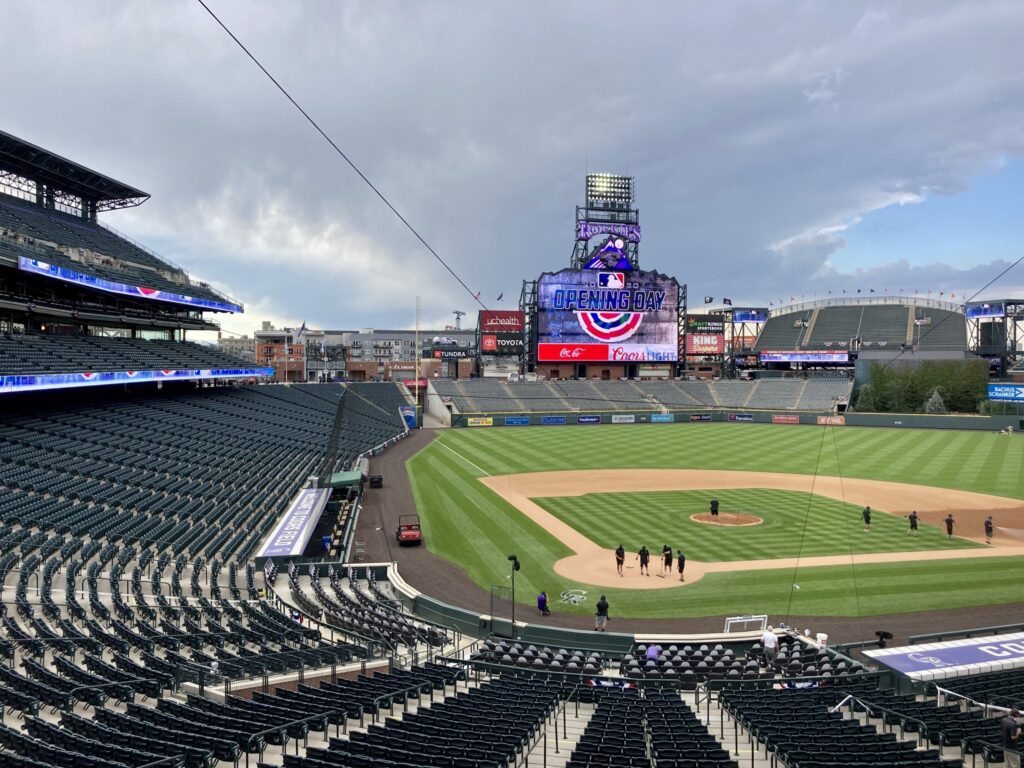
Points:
x=592, y=564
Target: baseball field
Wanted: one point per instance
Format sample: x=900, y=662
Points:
x=789, y=540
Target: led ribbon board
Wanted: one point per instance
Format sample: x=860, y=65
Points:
x=110, y=286
x=37, y=382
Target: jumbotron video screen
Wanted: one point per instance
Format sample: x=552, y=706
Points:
x=607, y=316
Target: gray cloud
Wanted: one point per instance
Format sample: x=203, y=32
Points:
x=759, y=134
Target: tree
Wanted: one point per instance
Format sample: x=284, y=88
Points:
x=866, y=399
x=935, y=403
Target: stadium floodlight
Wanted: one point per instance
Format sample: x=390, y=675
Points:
x=610, y=190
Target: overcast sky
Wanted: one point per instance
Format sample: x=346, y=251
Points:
x=780, y=148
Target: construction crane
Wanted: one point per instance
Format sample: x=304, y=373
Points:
x=458, y=319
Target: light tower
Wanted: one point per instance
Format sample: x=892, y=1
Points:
x=458, y=318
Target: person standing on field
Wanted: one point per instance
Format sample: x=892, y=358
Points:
x=666, y=568
x=949, y=526
x=620, y=556
x=866, y=514
x=681, y=561
x=988, y=529
x=644, y=556
x=912, y=517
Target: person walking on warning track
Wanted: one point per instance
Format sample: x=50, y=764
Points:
x=912, y=517
x=620, y=557
x=949, y=526
x=601, y=617
x=681, y=562
x=988, y=529
x=866, y=514
x=666, y=568
x=644, y=556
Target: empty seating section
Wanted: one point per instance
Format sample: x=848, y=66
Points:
x=803, y=728
x=939, y=330
x=885, y=325
x=632, y=728
x=477, y=728
x=483, y=396
x=51, y=236
x=27, y=353
x=126, y=528
x=875, y=326
x=834, y=328
x=692, y=664
x=506, y=653
x=782, y=332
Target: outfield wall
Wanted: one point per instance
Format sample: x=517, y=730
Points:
x=991, y=423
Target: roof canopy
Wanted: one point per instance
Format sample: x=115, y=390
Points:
x=64, y=176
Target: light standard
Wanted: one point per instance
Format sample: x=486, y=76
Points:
x=515, y=567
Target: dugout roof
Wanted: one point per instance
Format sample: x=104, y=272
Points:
x=60, y=174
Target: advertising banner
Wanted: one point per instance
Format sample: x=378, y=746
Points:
x=501, y=321
x=605, y=316
x=662, y=418
x=750, y=315
x=954, y=656
x=32, y=382
x=705, y=344
x=292, y=532
x=741, y=417
x=592, y=419
x=415, y=383
x=408, y=413
x=517, y=421
x=480, y=421
x=826, y=356
x=700, y=417
x=550, y=420
x=785, y=418
x=451, y=354
x=502, y=344
x=1011, y=392
x=620, y=418
x=837, y=420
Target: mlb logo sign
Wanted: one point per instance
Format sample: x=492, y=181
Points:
x=611, y=279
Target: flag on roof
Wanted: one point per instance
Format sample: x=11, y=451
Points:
x=302, y=330
x=501, y=296
x=727, y=301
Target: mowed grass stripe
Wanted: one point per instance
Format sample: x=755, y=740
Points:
x=795, y=524
x=446, y=489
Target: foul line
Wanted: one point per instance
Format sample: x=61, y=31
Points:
x=479, y=468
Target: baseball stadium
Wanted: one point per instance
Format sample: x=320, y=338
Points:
x=612, y=527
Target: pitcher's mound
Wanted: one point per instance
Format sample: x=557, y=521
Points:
x=726, y=518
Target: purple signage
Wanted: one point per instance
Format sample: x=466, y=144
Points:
x=32, y=382
x=588, y=229
x=292, y=532
x=954, y=657
x=111, y=286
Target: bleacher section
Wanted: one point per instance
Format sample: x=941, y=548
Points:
x=37, y=353
x=491, y=396
x=53, y=237
x=872, y=326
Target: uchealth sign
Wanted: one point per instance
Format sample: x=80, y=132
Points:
x=501, y=321
x=550, y=352
x=501, y=344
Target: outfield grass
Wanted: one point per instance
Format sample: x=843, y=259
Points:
x=469, y=525
x=795, y=524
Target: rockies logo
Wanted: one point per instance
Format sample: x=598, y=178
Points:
x=573, y=596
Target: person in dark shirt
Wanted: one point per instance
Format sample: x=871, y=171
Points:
x=644, y=556
x=949, y=526
x=866, y=514
x=681, y=563
x=912, y=517
x=989, y=525
x=666, y=554
x=542, y=604
x=620, y=556
x=714, y=507
x=1011, y=739
x=601, y=617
